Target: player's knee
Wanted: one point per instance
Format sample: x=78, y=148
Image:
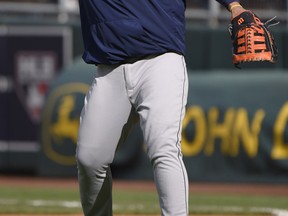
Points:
x=164, y=159
x=90, y=161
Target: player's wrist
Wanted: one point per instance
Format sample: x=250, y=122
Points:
x=235, y=8
x=234, y=5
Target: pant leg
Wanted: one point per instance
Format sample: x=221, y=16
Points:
x=159, y=96
x=103, y=116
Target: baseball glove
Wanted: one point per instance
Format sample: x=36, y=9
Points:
x=252, y=40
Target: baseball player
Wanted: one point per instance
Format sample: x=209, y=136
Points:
x=138, y=47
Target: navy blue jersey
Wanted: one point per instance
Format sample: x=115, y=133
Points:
x=115, y=31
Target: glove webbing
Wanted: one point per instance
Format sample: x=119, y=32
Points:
x=251, y=42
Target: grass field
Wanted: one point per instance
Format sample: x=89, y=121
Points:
x=56, y=200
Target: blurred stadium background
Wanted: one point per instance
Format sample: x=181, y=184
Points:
x=236, y=127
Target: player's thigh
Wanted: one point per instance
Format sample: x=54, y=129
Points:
x=163, y=98
x=105, y=112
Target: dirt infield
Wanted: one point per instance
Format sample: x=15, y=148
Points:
x=227, y=188
x=123, y=215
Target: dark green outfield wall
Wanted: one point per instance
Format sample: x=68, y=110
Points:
x=235, y=128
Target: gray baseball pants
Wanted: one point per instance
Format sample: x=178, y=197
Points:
x=156, y=89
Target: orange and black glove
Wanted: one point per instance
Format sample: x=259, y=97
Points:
x=252, y=39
